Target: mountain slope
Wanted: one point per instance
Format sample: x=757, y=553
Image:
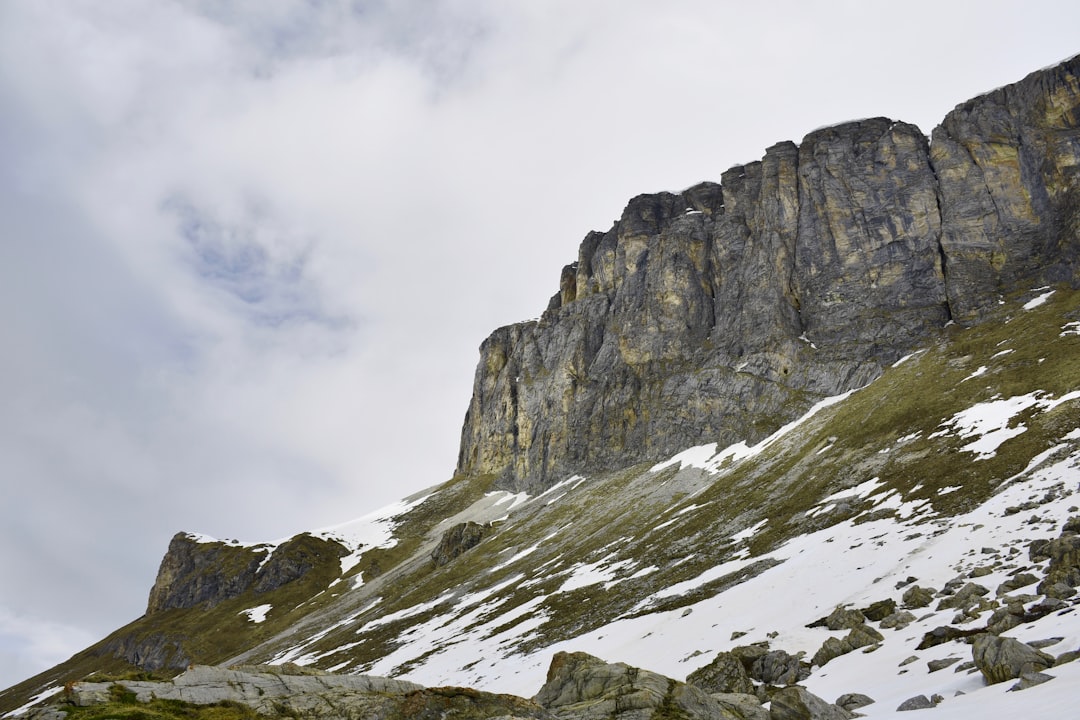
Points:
x=952, y=463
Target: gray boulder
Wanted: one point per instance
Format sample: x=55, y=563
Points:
x=584, y=687
x=798, y=703
x=725, y=674
x=860, y=636
x=917, y=597
x=854, y=701
x=1003, y=658
x=919, y=702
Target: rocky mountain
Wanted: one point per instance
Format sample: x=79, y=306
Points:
x=718, y=313
x=801, y=444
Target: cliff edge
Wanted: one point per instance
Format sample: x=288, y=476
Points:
x=719, y=313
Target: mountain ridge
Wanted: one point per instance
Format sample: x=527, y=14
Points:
x=723, y=311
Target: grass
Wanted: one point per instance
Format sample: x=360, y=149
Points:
x=124, y=706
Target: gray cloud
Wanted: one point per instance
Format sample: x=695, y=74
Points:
x=250, y=248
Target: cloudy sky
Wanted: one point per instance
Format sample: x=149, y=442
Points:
x=249, y=248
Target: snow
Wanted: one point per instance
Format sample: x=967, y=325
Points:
x=988, y=422
x=1032, y=304
x=43, y=695
x=706, y=458
x=257, y=614
x=980, y=371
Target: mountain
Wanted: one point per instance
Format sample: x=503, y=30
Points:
x=805, y=435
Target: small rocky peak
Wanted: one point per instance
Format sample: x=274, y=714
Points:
x=196, y=572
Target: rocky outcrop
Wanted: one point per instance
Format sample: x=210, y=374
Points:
x=197, y=573
x=584, y=687
x=457, y=540
x=719, y=313
x=293, y=692
x=798, y=703
x=725, y=674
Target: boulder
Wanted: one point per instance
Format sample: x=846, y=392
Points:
x=840, y=619
x=741, y=705
x=798, y=703
x=860, y=636
x=919, y=702
x=964, y=598
x=725, y=674
x=880, y=610
x=854, y=701
x=897, y=620
x=917, y=597
x=458, y=540
x=584, y=687
x=778, y=668
x=1064, y=567
x=1016, y=582
x=1029, y=680
x=1003, y=658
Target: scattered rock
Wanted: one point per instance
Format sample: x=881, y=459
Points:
x=854, y=701
x=897, y=620
x=1067, y=657
x=860, y=636
x=965, y=597
x=798, y=703
x=840, y=619
x=740, y=706
x=917, y=597
x=725, y=674
x=935, y=665
x=1030, y=679
x=944, y=634
x=1040, y=644
x=1058, y=591
x=880, y=610
x=1016, y=582
x=1003, y=658
x=919, y=702
x=778, y=668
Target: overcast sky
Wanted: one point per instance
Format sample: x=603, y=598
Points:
x=249, y=249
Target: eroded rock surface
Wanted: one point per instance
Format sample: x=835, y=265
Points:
x=720, y=313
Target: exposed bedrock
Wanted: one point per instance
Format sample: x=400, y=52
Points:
x=719, y=313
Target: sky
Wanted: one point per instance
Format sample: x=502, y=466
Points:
x=249, y=249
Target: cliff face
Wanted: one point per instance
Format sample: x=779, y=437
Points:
x=719, y=313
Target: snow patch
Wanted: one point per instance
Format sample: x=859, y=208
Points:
x=256, y=614
x=1032, y=304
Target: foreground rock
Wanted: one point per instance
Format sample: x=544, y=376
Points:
x=1003, y=658
x=292, y=692
x=798, y=703
x=583, y=687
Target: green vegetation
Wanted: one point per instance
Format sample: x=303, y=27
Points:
x=124, y=706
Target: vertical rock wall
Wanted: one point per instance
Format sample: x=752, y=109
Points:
x=719, y=313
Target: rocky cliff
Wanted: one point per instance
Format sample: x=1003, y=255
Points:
x=721, y=312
